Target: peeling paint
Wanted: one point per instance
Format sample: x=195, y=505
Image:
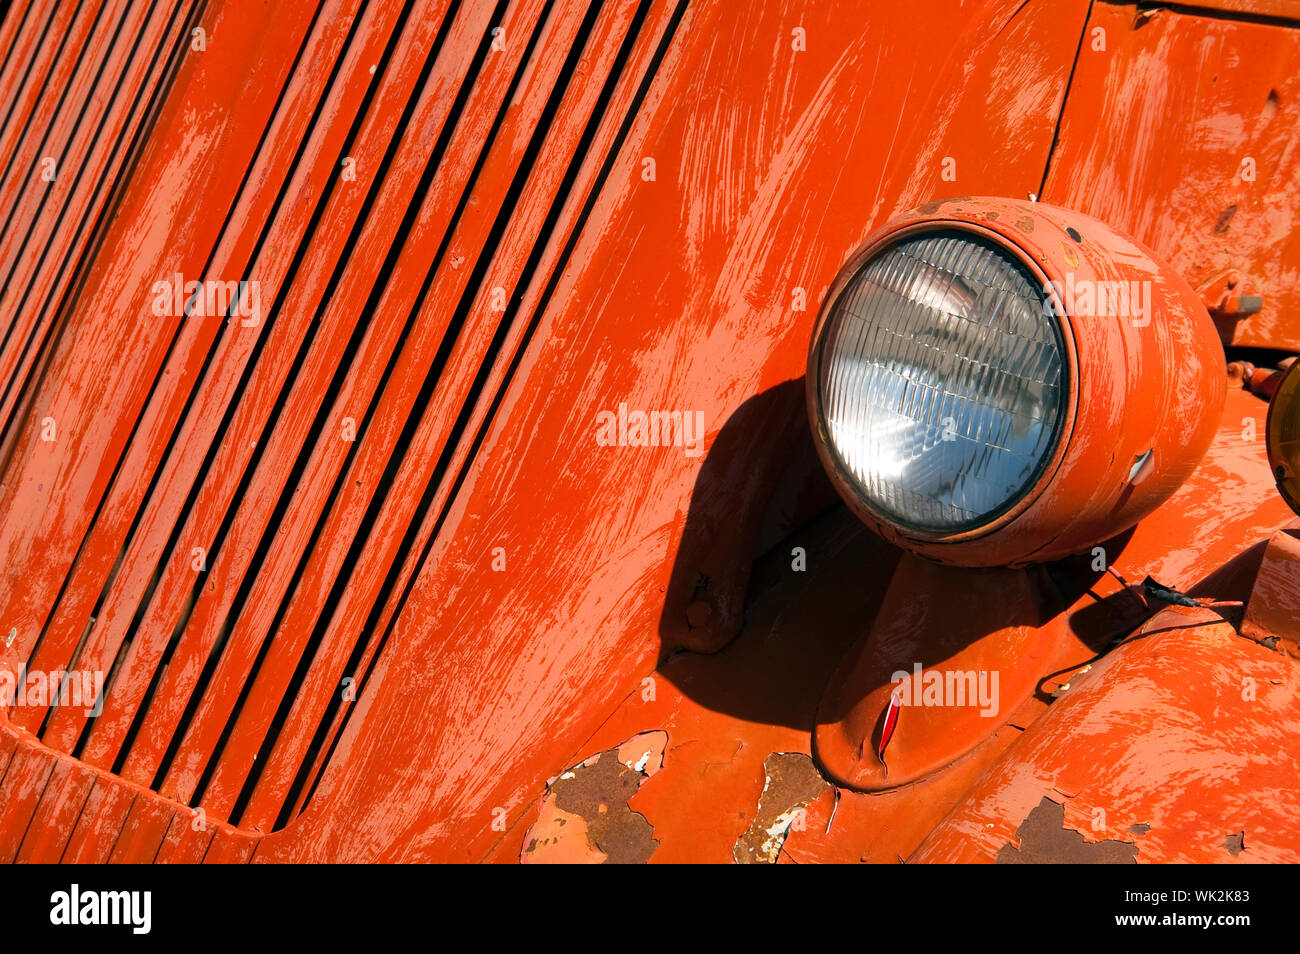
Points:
x=792, y=782
x=1044, y=839
x=584, y=817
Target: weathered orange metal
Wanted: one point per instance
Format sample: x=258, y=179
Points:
x=1156, y=767
x=359, y=576
x=725, y=713
x=1179, y=131
x=986, y=635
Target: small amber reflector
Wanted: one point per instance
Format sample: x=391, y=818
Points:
x=1283, y=436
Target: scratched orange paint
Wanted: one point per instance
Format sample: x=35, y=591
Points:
x=362, y=574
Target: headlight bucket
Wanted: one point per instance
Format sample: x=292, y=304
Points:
x=1143, y=384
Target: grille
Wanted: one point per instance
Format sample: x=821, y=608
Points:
x=230, y=533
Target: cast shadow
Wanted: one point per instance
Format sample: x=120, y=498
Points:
x=747, y=632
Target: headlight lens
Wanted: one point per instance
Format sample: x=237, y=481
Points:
x=941, y=381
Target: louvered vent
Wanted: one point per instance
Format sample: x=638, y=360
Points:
x=244, y=548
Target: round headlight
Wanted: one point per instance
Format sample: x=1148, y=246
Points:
x=997, y=382
x=942, y=380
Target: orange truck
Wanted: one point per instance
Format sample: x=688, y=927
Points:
x=649, y=431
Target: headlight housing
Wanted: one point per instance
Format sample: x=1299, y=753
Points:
x=998, y=382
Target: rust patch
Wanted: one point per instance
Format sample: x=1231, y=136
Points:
x=584, y=817
x=1235, y=843
x=1044, y=839
x=1221, y=226
x=1141, y=828
x=792, y=783
x=933, y=206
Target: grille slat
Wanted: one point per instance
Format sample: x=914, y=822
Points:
x=94, y=387
x=223, y=431
x=426, y=394
x=56, y=121
x=59, y=96
x=422, y=353
x=57, y=28
x=53, y=646
x=64, y=233
x=403, y=299
x=259, y=499
x=49, y=278
x=354, y=381
x=377, y=614
x=15, y=28
x=122, y=550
